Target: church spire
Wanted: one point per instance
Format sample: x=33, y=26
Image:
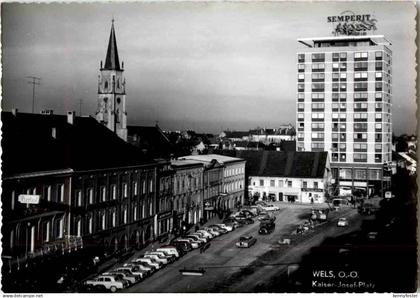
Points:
x=112, y=62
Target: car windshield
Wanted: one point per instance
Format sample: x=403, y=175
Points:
x=244, y=238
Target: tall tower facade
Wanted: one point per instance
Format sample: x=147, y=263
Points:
x=111, y=110
x=344, y=107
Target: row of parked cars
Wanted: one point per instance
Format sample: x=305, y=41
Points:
x=202, y=237
x=142, y=267
x=133, y=271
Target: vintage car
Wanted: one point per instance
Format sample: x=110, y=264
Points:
x=111, y=283
x=246, y=242
x=342, y=222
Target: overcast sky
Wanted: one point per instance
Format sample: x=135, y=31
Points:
x=204, y=66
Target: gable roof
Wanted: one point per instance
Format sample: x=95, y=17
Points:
x=282, y=164
x=29, y=145
x=150, y=139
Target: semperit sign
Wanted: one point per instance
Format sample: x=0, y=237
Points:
x=350, y=23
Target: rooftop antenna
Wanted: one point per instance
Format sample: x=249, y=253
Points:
x=34, y=81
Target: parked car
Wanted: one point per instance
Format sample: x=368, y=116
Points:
x=135, y=270
x=226, y=227
x=183, y=247
x=150, y=262
x=231, y=221
x=244, y=220
x=202, y=240
x=131, y=278
x=246, y=242
x=170, y=250
x=162, y=260
x=161, y=255
x=219, y=229
x=270, y=208
x=144, y=266
x=212, y=231
x=266, y=227
x=112, y=283
x=194, y=244
x=342, y=222
x=206, y=233
x=247, y=213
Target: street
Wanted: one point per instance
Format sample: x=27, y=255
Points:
x=232, y=269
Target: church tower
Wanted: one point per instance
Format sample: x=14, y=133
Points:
x=111, y=110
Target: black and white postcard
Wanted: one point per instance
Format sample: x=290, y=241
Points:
x=208, y=147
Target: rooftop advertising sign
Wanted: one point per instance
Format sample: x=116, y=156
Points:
x=350, y=23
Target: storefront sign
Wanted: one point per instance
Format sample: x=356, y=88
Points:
x=163, y=215
x=29, y=199
x=349, y=23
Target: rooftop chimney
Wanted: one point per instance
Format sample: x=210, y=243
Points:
x=70, y=117
x=14, y=112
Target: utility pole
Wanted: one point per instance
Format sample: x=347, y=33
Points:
x=34, y=81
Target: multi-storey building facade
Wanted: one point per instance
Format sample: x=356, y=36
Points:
x=233, y=185
x=187, y=191
x=344, y=106
x=81, y=184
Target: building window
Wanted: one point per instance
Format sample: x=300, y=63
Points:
x=90, y=195
x=315, y=184
x=261, y=182
x=289, y=183
x=114, y=191
x=125, y=190
x=280, y=183
x=90, y=225
x=135, y=213
x=79, y=198
x=103, y=193
x=272, y=183
x=150, y=208
x=125, y=215
x=150, y=186
x=49, y=193
x=103, y=221
x=60, y=193
x=60, y=226
x=47, y=231
x=114, y=218
x=143, y=188
x=78, y=227
x=304, y=184
x=135, y=188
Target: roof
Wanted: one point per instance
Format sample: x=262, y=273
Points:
x=236, y=134
x=112, y=61
x=376, y=39
x=150, y=139
x=29, y=146
x=283, y=164
x=185, y=163
x=222, y=159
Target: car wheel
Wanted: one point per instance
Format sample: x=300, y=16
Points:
x=113, y=289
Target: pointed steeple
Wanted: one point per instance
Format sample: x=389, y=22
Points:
x=112, y=62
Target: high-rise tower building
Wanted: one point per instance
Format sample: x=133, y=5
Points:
x=111, y=110
x=344, y=106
